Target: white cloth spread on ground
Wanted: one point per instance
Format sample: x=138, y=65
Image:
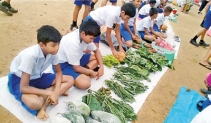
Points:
x=10, y=103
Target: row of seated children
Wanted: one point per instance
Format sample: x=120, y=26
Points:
x=71, y=65
x=148, y=26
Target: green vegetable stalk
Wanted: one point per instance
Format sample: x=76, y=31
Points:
x=120, y=91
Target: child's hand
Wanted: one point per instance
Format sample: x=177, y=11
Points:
x=100, y=72
x=93, y=74
x=53, y=99
x=114, y=52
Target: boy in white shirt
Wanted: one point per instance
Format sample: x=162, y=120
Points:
x=160, y=19
x=108, y=15
x=27, y=82
x=145, y=26
x=144, y=11
x=128, y=28
x=74, y=61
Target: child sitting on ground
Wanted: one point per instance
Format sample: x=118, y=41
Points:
x=108, y=15
x=159, y=21
x=27, y=82
x=145, y=26
x=78, y=4
x=74, y=62
x=144, y=11
x=128, y=28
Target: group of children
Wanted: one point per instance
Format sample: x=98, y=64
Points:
x=75, y=57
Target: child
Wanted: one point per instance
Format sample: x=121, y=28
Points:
x=144, y=11
x=27, y=82
x=160, y=19
x=206, y=23
x=78, y=4
x=128, y=28
x=145, y=26
x=74, y=62
x=7, y=8
x=108, y=15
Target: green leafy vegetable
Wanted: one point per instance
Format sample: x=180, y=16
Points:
x=120, y=91
x=110, y=60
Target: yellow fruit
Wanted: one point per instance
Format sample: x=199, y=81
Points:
x=164, y=27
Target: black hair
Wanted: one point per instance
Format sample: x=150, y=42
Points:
x=47, y=34
x=129, y=9
x=152, y=1
x=168, y=9
x=153, y=11
x=90, y=27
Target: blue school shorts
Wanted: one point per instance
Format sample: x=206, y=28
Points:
x=142, y=16
x=160, y=10
x=207, y=21
x=156, y=29
x=97, y=39
x=125, y=34
x=113, y=1
x=45, y=81
x=68, y=69
x=81, y=2
x=141, y=33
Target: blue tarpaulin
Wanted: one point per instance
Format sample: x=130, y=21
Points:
x=184, y=109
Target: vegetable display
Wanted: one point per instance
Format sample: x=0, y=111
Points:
x=80, y=107
x=120, y=91
x=74, y=117
x=119, y=108
x=104, y=117
x=110, y=60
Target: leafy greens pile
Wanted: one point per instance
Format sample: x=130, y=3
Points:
x=110, y=60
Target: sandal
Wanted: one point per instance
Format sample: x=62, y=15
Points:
x=206, y=66
x=72, y=28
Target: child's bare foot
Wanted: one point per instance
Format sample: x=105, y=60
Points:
x=65, y=94
x=42, y=115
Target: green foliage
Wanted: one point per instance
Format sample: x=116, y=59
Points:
x=110, y=60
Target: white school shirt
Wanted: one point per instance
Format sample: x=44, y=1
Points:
x=144, y=23
x=32, y=61
x=131, y=20
x=145, y=9
x=157, y=3
x=107, y=15
x=71, y=48
x=160, y=19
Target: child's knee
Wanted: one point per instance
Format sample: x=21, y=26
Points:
x=83, y=82
x=34, y=104
x=129, y=43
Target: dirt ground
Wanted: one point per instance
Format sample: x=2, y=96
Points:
x=19, y=31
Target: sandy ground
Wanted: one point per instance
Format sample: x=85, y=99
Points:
x=19, y=31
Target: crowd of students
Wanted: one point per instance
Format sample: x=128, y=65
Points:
x=76, y=57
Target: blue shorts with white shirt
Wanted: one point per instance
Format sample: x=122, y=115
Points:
x=156, y=29
x=97, y=39
x=125, y=34
x=45, y=81
x=81, y=2
x=142, y=34
x=68, y=69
